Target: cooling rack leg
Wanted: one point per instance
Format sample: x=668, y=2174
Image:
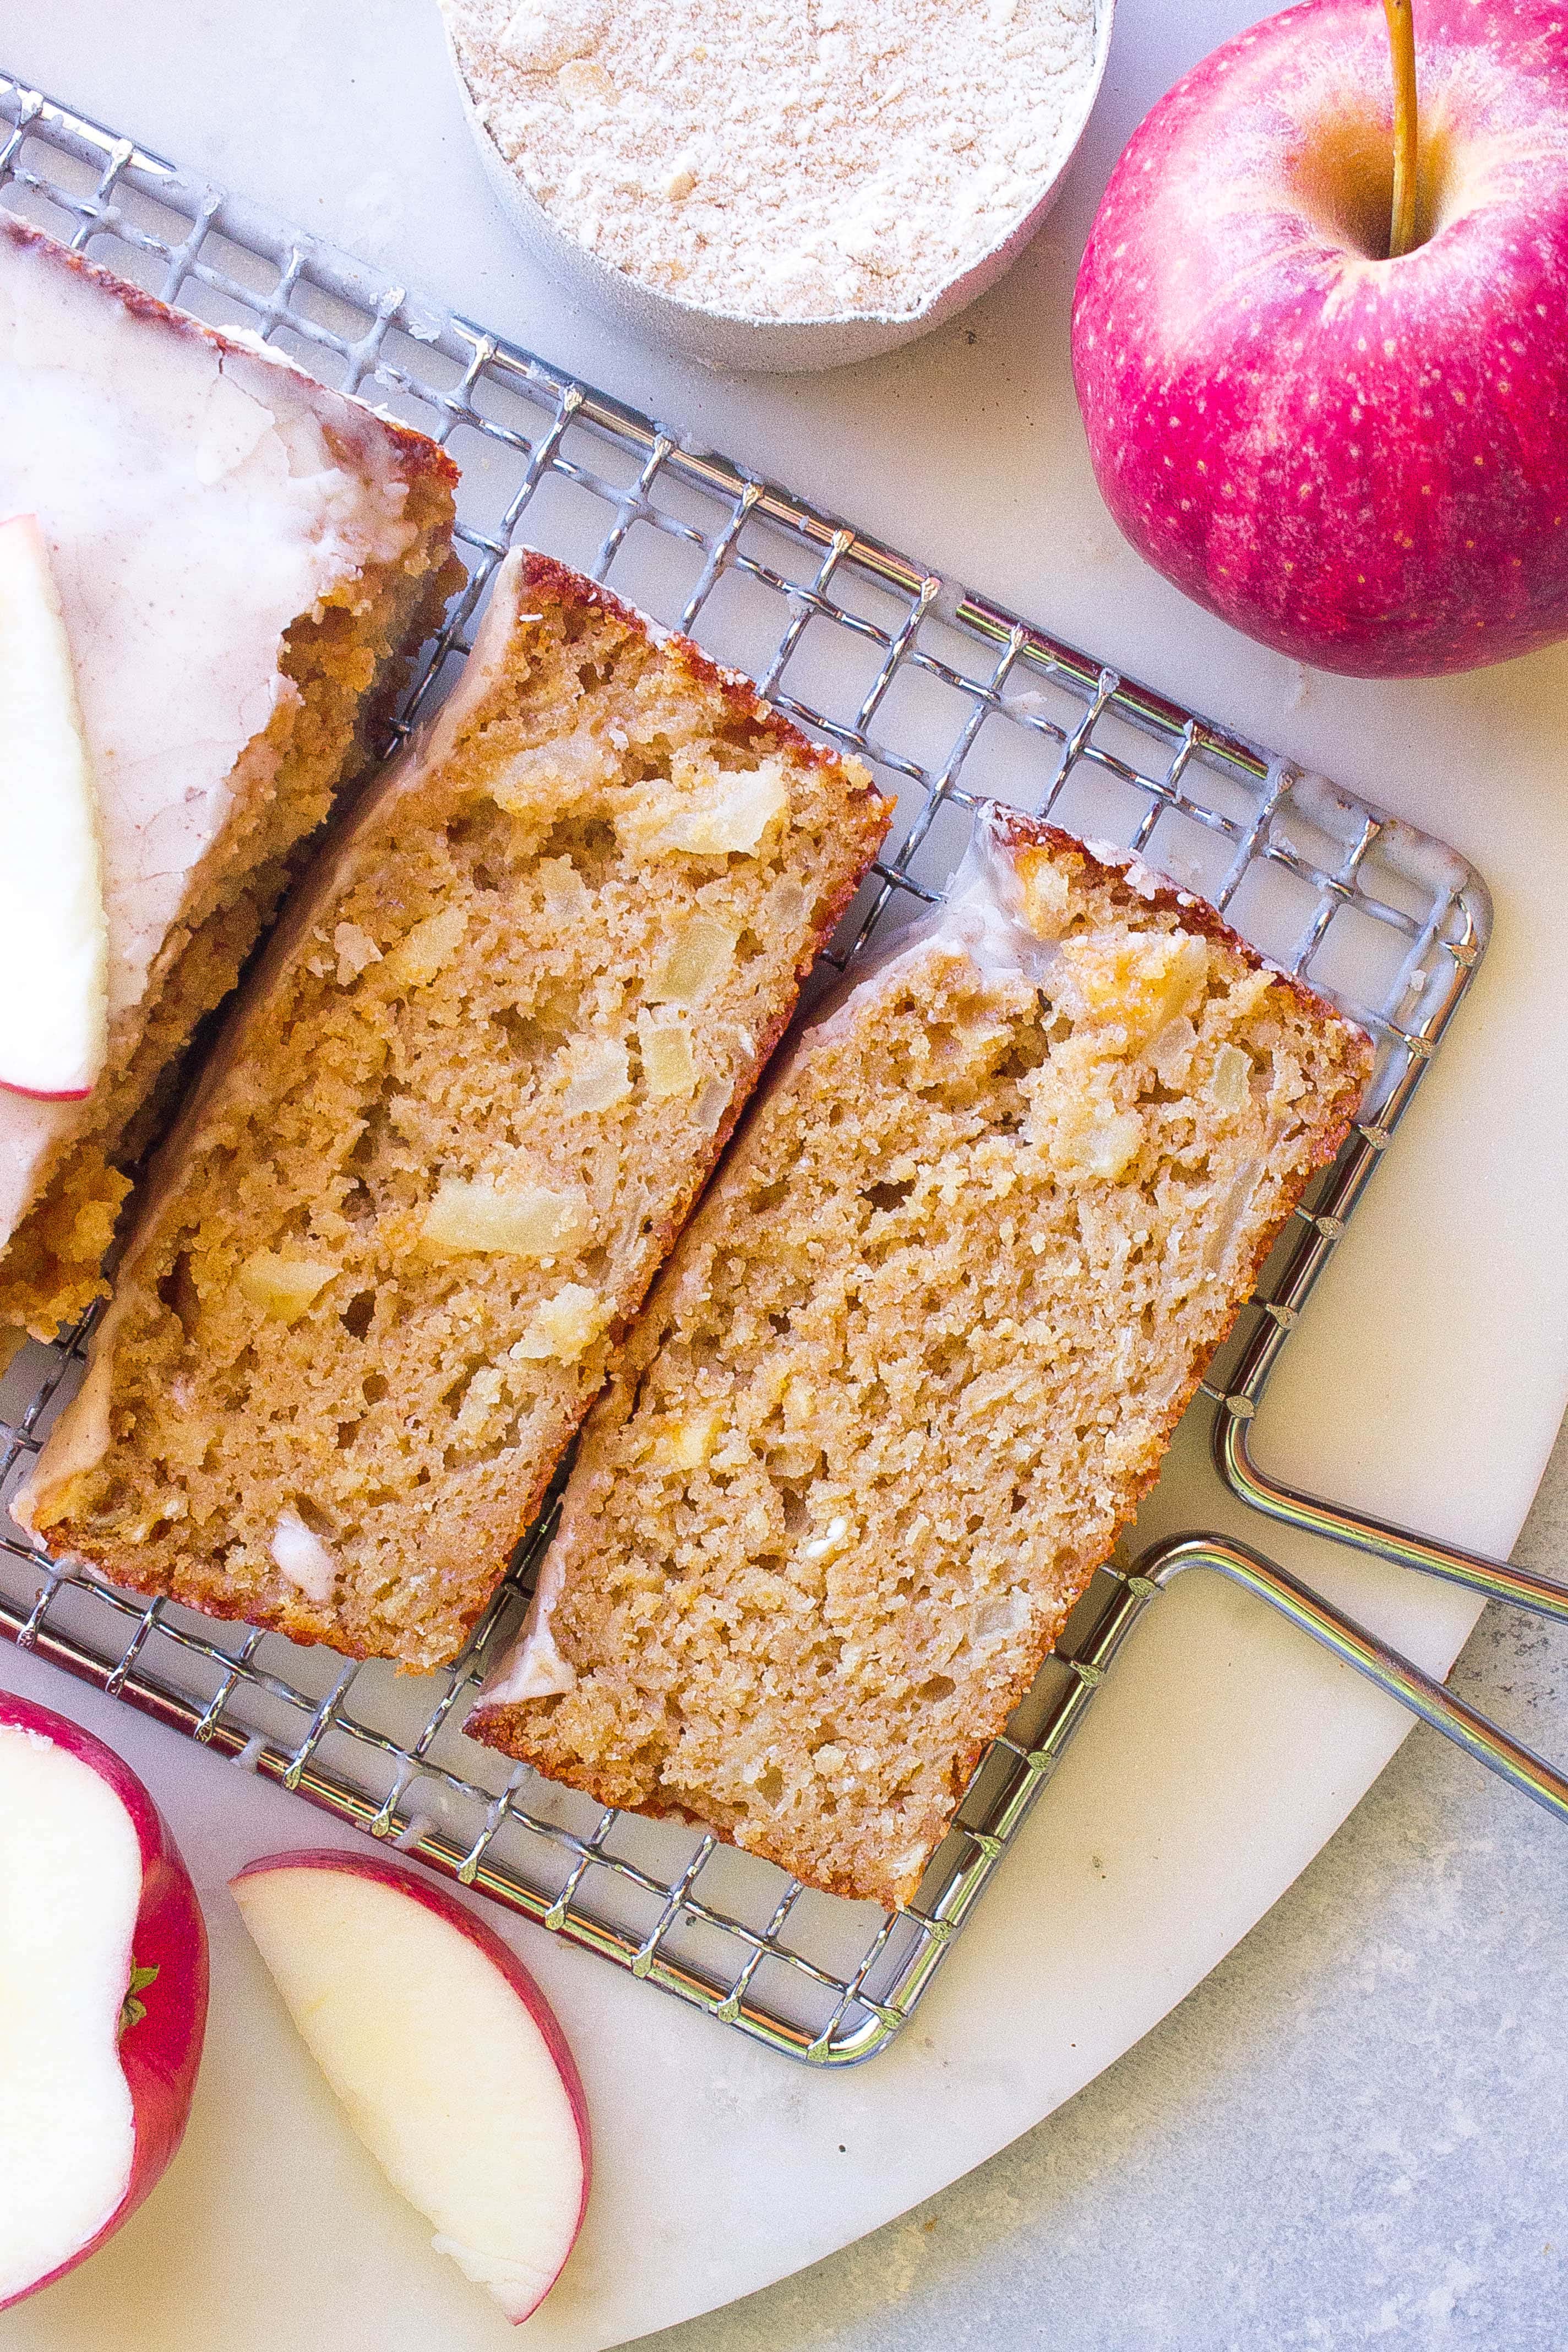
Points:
x=1433, y=1701
x=1497, y=1578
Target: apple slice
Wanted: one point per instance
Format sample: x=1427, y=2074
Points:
x=444, y=2051
x=103, y=1995
x=53, y=938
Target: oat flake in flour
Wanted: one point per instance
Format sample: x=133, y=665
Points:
x=781, y=159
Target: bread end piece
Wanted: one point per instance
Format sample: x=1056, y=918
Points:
x=341, y=667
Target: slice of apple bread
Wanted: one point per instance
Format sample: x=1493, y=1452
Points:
x=916, y=1359
x=508, y=1023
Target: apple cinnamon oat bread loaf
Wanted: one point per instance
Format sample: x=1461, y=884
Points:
x=245, y=561
x=915, y=1360
x=481, y=1073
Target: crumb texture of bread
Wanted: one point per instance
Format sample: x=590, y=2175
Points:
x=915, y=1360
x=169, y=464
x=471, y=1094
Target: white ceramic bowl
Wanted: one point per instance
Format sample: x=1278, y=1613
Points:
x=728, y=339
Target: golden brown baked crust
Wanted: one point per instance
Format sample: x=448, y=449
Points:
x=503, y=1032
x=914, y=1363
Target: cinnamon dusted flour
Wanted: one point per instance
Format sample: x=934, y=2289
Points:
x=781, y=159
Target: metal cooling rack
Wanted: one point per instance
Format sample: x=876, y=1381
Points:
x=949, y=698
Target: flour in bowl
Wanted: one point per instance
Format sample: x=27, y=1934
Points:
x=781, y=159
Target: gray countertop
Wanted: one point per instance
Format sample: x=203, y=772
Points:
x=1353, y=2132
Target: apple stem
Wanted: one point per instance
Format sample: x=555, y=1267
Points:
x=1402, y=43
x=133, y=2008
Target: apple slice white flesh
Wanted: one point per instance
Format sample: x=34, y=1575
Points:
x=53, y=938
x=448, y=2060
x=102, y=1995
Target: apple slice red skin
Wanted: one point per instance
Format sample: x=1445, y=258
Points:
x=501, y=1955
x=161, y=2052
x=39, y=1094
x=1368, y=472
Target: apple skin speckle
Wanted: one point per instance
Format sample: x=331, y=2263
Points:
x=1316, y=443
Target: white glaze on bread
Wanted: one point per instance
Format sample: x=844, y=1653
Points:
x=194, y=509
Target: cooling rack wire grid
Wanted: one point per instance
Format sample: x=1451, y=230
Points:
x=949, y=700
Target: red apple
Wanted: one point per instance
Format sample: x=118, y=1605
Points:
x=444, y=2051
x=54, y=935
x=103, y=1963
x=1360, y=461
